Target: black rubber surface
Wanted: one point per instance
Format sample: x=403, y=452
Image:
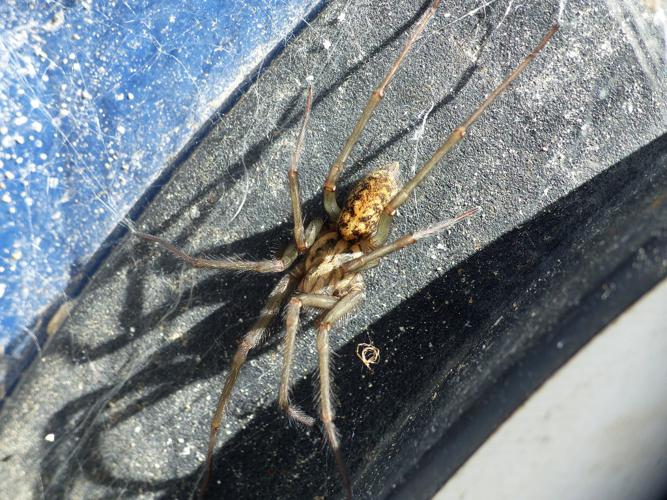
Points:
x=570, y=167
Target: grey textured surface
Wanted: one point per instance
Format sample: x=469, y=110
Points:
x=120, y=401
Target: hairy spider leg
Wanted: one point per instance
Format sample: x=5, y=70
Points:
x=252, y=339
x=457, y=134
x=372, y=258
x=317, y=300
x=330, y=204
x=260, y=266
x=327, y=412
x=283, y=289
x=292, y=314
x=299, y=238
x=293, y=311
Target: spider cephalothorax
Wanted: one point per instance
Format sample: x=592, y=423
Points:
x=325, y=261
x=323, y=274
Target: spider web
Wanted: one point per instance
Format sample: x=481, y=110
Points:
x=126, y=390
x=78, y=80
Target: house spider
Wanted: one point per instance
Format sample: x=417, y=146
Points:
x=325, y=260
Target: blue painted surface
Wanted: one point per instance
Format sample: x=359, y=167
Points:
x=95, y=100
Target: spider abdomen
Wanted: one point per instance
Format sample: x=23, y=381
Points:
x=361, y=212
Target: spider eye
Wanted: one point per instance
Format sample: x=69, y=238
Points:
x=361, y=212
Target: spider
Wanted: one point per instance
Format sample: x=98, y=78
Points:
x=325, y=260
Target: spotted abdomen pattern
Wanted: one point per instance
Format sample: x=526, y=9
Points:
x=362, y=209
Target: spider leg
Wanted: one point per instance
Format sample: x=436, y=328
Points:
x=317, y=300
x=327, y=413
x=251, y=339
x=261, y=266
x=330, y=203
x=299, y=237
x=370, y=259
x=291, y=328
x=457, y=134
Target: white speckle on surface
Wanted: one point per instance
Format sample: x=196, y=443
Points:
x=6, y=198
x=50, y=437
x=55, y=22
x=20, y=120
x=36, y=126
x=326, y=44
x=39, y=52
x=3, y=287
x=121, y=130
x=7, y=141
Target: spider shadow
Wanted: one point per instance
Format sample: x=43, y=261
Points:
x=214, y=289
x=197, y=356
